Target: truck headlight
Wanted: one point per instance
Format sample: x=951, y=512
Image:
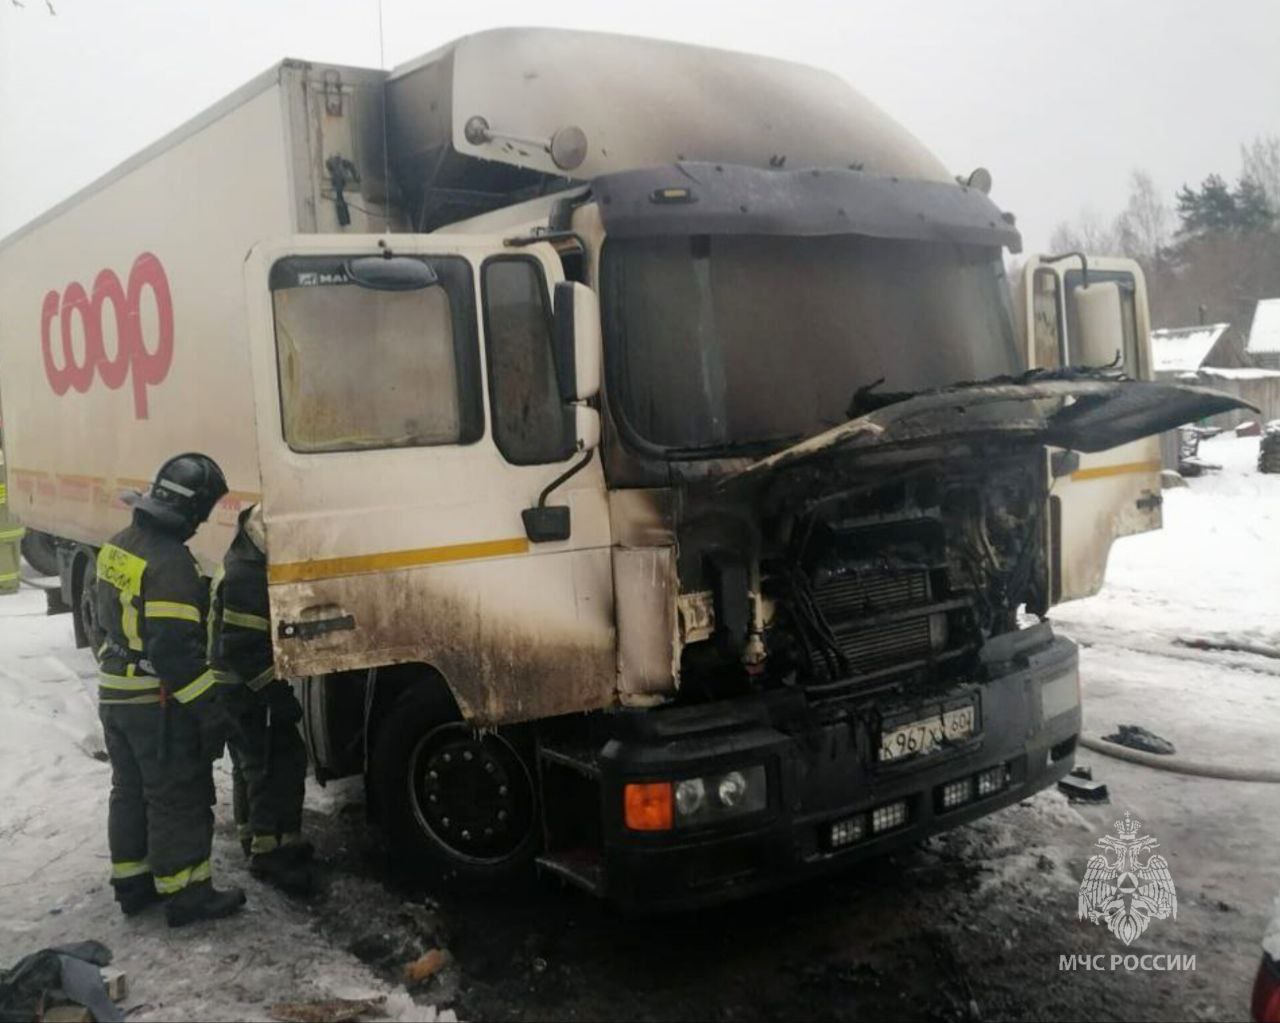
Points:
x=701, y=800
x=714, y=797
x=690, y=795
x=732, y=789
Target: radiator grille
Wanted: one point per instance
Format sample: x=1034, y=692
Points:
x=847, y=601
x=883, y=645
x=866, y=594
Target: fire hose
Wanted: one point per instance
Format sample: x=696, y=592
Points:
x=1179, y=765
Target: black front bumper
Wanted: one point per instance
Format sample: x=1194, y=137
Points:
x=822, y=767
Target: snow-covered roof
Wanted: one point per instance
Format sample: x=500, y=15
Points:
x=1244, y=373
x=1182, y=349
x=1264, y=335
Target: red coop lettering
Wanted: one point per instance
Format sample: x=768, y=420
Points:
x=135, y=361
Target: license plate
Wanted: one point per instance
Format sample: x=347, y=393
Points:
x=926, y=734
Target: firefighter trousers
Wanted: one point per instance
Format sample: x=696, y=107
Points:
x=269, y=762
x=160, y=814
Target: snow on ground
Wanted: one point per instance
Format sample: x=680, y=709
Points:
x=54, y=862
x=1212, y=573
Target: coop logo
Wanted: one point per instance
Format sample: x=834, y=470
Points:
x=141, y=361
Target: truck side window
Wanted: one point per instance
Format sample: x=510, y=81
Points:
x=1046, y=310
x=363, y=369
x=530, y=421
x=1128, y=312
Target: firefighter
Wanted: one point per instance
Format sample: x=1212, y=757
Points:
x=268, y=755
x=163, y=723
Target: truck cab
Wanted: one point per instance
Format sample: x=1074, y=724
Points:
x=692, y=526
x=662, y=482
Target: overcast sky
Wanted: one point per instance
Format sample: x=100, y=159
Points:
x=1060, y=101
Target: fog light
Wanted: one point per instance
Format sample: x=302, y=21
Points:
x=731, y=790
x=957, y=793
x=889, y=816
x=690, y=795
x=993, y=780
x=848, y=831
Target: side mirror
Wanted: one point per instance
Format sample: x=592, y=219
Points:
x=577, y=322
x=1100, y=318
x=546, y=523
x=577, y=355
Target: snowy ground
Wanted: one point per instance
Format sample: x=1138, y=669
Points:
x=975, y=920
x=54, y=862
x=1212, y=573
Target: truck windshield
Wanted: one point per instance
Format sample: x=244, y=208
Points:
x=724, y=343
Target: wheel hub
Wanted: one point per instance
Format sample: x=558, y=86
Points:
x=472, y=792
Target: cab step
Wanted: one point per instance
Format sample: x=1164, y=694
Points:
x=583, y=868
x=582, y=759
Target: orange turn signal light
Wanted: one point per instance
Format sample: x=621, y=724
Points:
x=648, y=806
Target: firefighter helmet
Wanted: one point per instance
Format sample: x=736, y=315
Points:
x=184, y=492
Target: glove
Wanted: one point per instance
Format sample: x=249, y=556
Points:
x=285, y=709
x=214, y=725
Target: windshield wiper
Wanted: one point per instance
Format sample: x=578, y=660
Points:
x=863, y=401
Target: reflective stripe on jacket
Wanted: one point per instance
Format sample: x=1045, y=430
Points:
x=240, y=615
x=152, y=604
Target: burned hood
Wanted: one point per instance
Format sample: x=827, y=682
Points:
x=1084, y=414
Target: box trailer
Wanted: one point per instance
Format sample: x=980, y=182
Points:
x=660, y=484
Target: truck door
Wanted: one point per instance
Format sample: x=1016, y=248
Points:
x=1095, y=498
x=403, y=429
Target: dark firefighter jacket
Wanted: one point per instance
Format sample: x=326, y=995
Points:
x=153, y=606
x=240, y=620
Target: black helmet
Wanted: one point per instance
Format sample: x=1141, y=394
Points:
x=184, y=492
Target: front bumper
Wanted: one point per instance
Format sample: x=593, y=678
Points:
x=822, y=767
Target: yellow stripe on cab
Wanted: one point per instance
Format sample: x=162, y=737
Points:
x=364, y=564
x=1120, y=469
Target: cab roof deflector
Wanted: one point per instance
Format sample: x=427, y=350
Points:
x=706, y=198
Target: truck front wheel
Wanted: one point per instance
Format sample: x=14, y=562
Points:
x=455, y=799
x=41, y=552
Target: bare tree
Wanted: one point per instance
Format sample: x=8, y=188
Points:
x=1143, y=229
x=1089, y=233
x=1260, y=163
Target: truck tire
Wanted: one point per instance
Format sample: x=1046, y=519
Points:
x=85, y=609
x=39, y=550
x=454, y=800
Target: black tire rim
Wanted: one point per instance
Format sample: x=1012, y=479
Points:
x=472, y=794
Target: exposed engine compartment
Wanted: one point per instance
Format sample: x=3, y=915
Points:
x=851, y=580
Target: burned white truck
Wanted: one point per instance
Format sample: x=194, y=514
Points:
x=660, y=484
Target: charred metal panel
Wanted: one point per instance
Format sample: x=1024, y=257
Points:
x=1083, y=410
x=642, y=518
x=645, y=590
x=514, y=639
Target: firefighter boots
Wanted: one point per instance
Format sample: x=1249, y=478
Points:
x=202, y=901
x=286, y=867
